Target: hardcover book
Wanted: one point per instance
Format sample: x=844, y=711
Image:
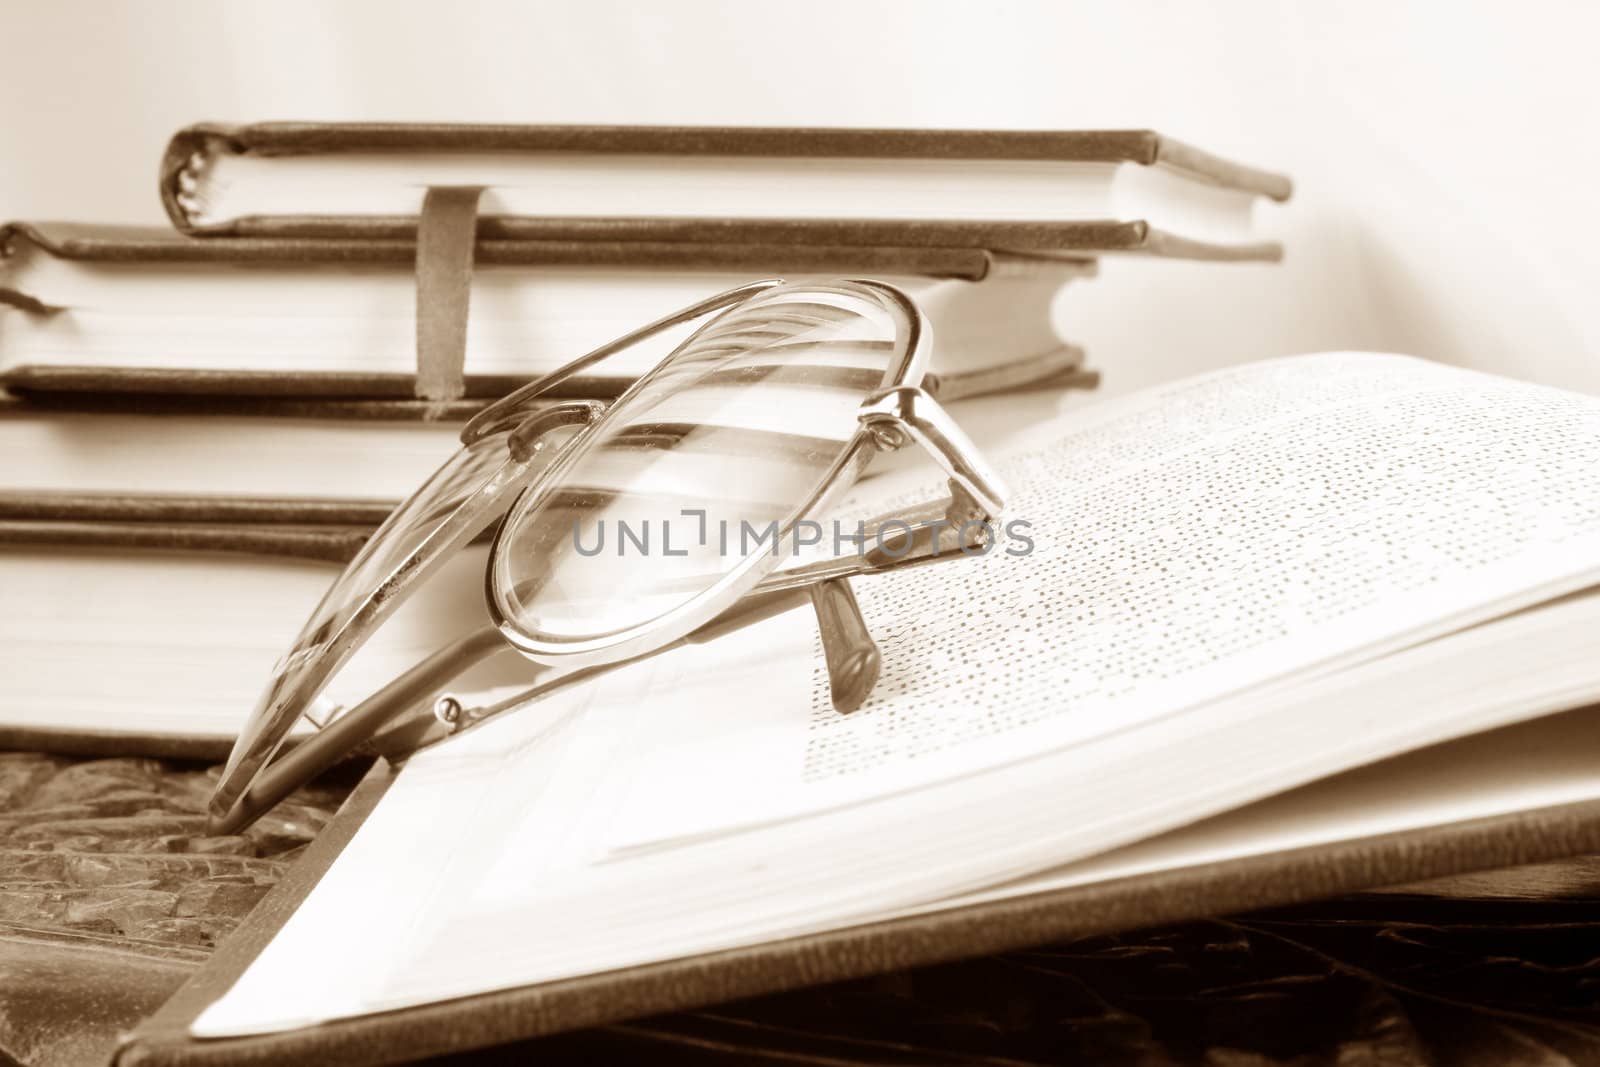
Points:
x=97, y=309
x=1095, y=190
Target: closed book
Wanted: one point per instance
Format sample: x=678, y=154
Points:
x=1096, y=190
x=141, y=623
x=107, y=309
x=143, y=445
x=142, y=637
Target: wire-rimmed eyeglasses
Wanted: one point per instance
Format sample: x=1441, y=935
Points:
x=762, y=418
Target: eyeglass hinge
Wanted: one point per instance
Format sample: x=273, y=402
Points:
x=528, y=438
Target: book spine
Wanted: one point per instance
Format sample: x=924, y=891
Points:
x=314, y=394
x=186, y=156
x=330, y=544
x=838, y=142
x=66, y=506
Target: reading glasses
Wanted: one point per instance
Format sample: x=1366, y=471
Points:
x=734, y=446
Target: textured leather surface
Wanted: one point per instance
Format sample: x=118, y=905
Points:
x=118, y=846
x=111, y=893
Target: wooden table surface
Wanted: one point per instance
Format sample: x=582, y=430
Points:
x=111, y=894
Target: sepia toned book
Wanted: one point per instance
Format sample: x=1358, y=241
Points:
x=1095, y=190
x=89, y=309
x=1293, y=629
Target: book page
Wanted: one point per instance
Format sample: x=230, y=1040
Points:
x=1545, y=763
x=1186, y=543
x=547, y=770
x=737, y=186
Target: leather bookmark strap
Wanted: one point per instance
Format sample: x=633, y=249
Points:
x=23, y=302
x=445, y=238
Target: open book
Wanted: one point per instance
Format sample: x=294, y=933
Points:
x=1238, y=585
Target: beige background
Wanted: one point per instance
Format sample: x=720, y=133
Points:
x=1444, y=152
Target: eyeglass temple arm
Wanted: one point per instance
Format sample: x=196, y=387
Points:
x=894, y=417
x=1061, y=368
x=851, y=655
x=852, y=658
x=355, y=728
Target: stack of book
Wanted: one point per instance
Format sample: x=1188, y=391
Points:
x=203, y=421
